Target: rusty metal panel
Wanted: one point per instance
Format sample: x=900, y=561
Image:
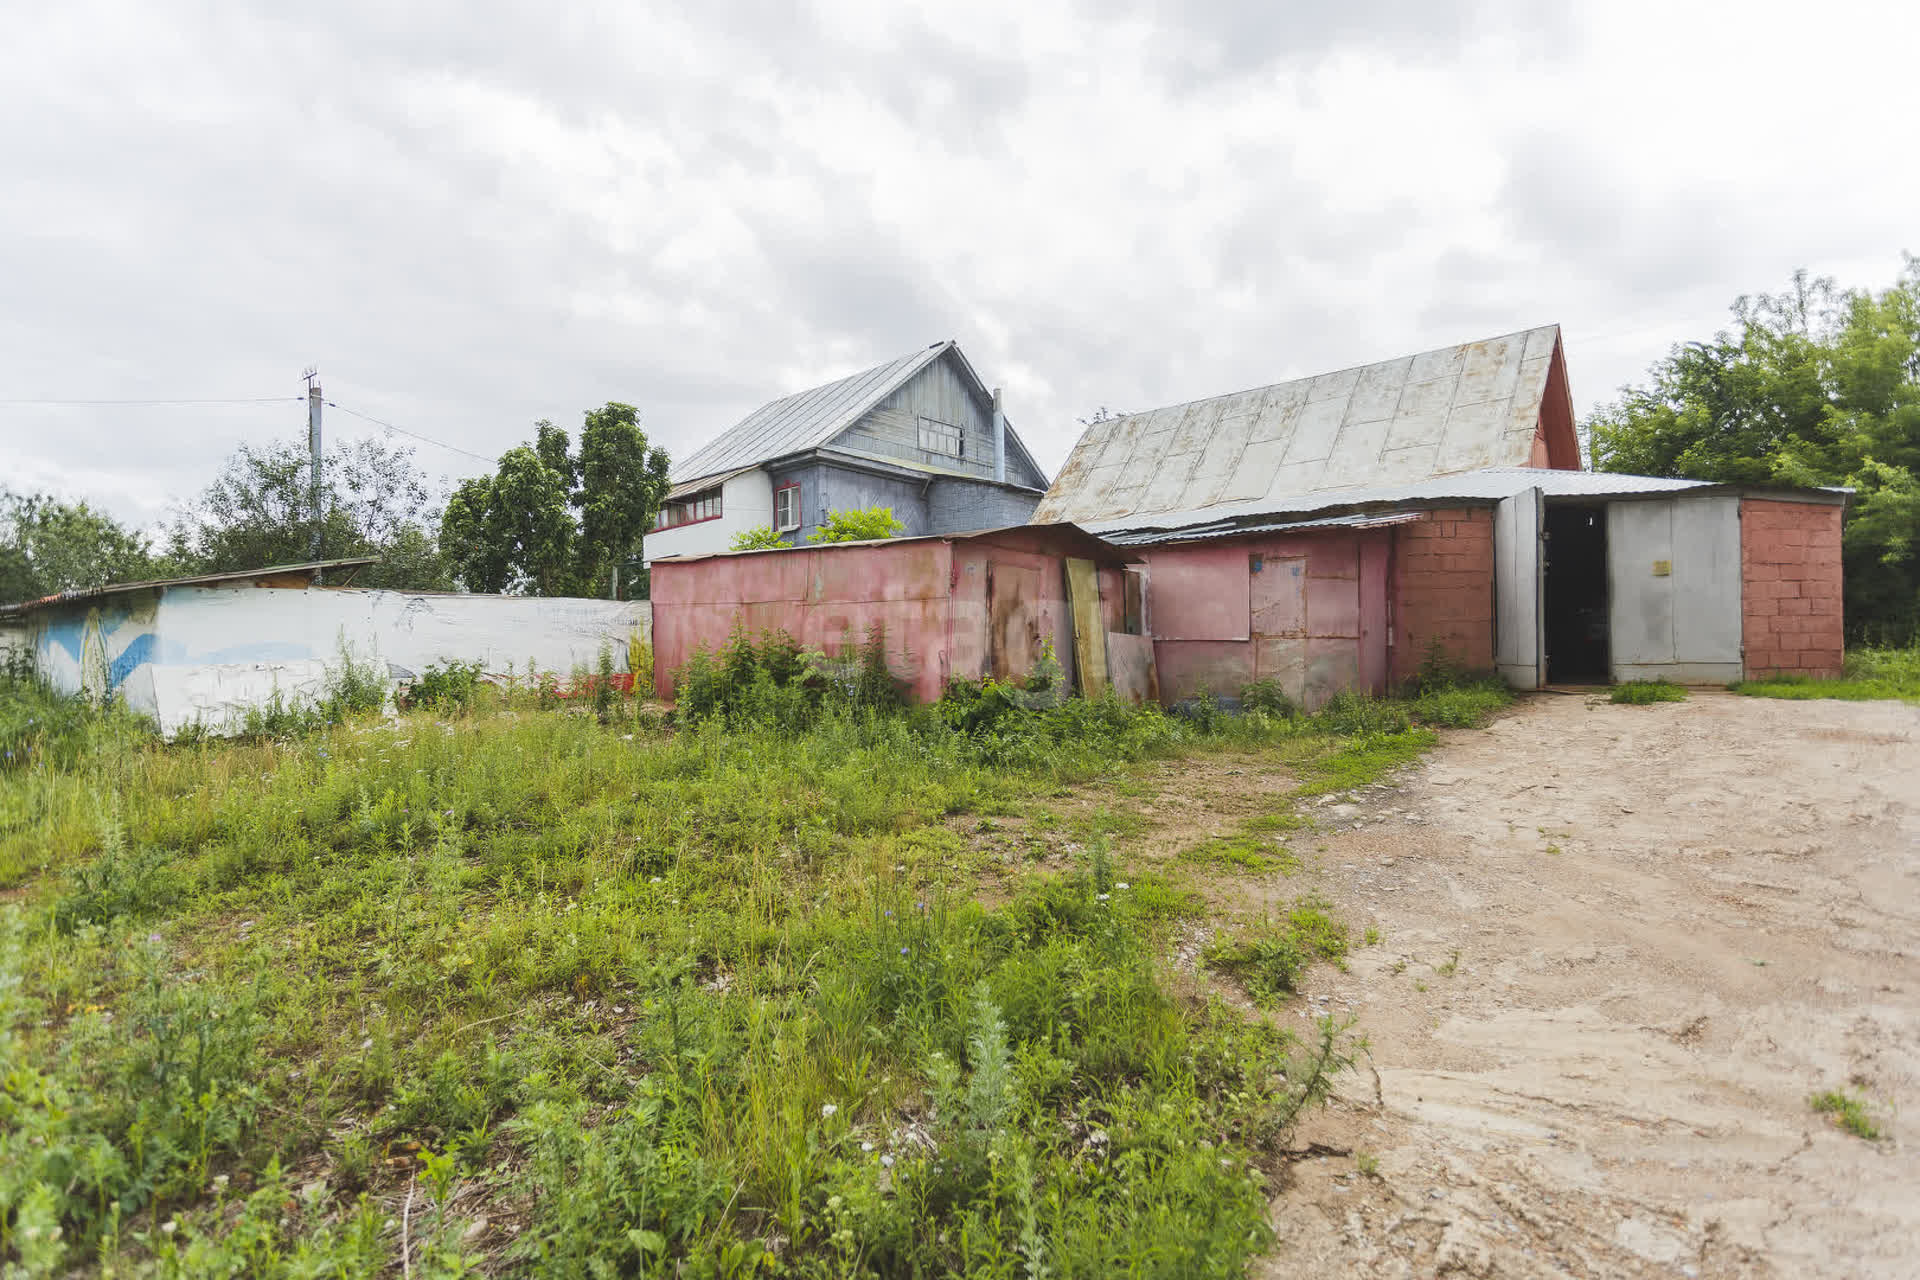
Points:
x=1333, y=607
x=1130, y=663
x=1200, y=593
x=1282, y=659
x=1333, y=665
x=1089, y=626
x=1375, y=635
x=1190, y=667
x=1278, y=592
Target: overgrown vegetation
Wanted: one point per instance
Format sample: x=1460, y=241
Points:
x=529, y=981
x=1869, y=675
x=1641, y=693
x=1269, y=956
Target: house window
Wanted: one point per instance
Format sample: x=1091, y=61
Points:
x=942, y=437
x=786, y=507
x=701, y=506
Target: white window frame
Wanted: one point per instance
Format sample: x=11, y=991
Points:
x=791, y=521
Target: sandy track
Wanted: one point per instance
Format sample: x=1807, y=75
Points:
x=1673, y=924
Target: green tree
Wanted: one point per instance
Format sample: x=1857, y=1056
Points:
x=762, y=537
x=47, y=545
x=621, y=482
x=516, y=530
x=859, y=524
x=374, y=501
x=1811, y=386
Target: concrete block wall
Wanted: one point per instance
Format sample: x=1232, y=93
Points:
x=962, y=506
x=1443, y=589
x=1790, y=599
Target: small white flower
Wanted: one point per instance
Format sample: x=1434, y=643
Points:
x=826, y=1110
x=1123, y=885
x=168, y=1227
x=1103, y=897
x=886, y=1162
x=866, y=1146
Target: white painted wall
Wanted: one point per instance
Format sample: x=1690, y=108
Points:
x=207, y=654
x=746, y=500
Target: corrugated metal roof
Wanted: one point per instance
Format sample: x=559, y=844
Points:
x=1488, y=484
x=195, y=580
x=1441, y=412
x=804, y=420
x=1230, y=529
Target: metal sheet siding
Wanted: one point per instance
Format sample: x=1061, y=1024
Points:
x=1685, y=623
x=1519, y=600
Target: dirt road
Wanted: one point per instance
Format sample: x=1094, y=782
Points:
x=1620, y=948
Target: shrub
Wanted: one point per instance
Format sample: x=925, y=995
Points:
x=761, y=537
x=861, y=524
x=445, y=686
x=1267, y=696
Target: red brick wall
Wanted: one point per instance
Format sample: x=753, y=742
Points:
x=1790, y=587
x=1443, y=588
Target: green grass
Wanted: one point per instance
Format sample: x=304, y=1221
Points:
x=1641, y=693
x=1243, y=853
x=716, y=1000
x=1869, y=675
x=1848, y=1111
x=1269, y=955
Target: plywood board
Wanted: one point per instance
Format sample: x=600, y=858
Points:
x=1089, y=626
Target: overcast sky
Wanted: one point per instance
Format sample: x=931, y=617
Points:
x=474, y=214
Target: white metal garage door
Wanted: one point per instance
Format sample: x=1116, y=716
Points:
x=1673, y=573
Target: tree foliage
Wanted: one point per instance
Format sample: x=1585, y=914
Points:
x=552, y=521
x=859, y=524
x=374, y=501
x=1811, y=386
x=48, y=545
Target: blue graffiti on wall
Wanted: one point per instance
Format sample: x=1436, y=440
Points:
x=134, y=655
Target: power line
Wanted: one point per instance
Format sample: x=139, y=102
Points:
x=243, y=400
x=380, y=422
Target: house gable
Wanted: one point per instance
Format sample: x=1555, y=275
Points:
x=927, y=411
x=940, y=418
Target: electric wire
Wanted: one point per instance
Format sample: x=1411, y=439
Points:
x=381, y=422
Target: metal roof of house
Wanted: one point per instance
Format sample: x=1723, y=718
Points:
x=807, y=419
x=1441, y=412
x=194, y=580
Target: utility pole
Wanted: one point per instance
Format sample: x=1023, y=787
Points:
x=312, y=375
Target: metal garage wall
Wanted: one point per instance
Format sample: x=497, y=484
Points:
x=1519, y=619
x=1673, y=568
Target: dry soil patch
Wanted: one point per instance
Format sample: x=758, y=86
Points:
x=1621, y=947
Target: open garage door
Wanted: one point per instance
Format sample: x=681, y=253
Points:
x=1518, y=619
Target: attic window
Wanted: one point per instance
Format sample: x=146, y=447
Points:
x=942, y=437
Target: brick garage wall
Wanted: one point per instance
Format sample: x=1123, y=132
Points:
x=1443, y=589
x=1790, y=587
